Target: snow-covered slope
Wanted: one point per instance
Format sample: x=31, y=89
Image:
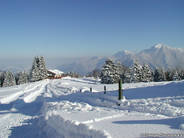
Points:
x=126, y=57
x=67, y=108
x=163, y=56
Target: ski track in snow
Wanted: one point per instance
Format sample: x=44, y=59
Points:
x=20, y=94
x=33, y=94
x=69, y=104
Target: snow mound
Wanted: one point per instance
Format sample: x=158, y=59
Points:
x=181, y=122
x=56, y=127
x=67, y=106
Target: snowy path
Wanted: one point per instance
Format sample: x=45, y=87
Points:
x=66, y=108
x=19, y=109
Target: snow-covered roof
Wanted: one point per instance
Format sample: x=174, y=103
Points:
x=56, y=71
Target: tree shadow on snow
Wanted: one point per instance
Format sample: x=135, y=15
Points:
x=95, y=99
x=85, y=81
x=99, y=98
x=30, y=129
x=4, y=107
x=20, y=106
x=169, y=90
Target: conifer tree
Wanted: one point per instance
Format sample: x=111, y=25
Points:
x=38, y=71
x=110, y=73
x=136, y=72
x=147, y=75
x=168, y=75
x=21, y=78
x=35, y=73
x=1, y=79
x=121, y=69
x=42, y=68
x=159, y=75
x=8, y=79
x=181, y=74
x=127, y=76
x=176, y=76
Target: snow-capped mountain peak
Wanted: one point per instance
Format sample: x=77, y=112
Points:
x=160, y=55
x=161, y=46
x=127, y=52
x=158, y=46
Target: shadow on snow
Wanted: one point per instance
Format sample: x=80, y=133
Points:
x=30, y=128
x=174, y=123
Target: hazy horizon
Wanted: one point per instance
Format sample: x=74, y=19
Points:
x=66, y=63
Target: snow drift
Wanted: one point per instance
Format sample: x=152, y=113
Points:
x=56, y=127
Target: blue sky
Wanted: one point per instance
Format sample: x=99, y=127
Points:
x=73, y=28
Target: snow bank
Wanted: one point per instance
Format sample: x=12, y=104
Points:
x=12, y=97
x=56, y=127
x=181, y=122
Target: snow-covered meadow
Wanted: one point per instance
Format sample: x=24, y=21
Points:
x=67, y=108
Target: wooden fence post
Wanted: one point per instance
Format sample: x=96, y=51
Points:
x=120, y=90
x=104, y=89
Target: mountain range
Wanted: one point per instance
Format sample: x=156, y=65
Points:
x=158, y=56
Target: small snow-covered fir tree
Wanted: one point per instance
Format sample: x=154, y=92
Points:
x=159, y=75
x=147, y=74
x=136, y=72
x=110, y=72
x=121, y=69
x=181, y=74
x=107, y=72
x=42, y=68
x=1, y=79
x=8, y=79
x=169, y=75
x=38, y=71
x=127, y=76
x=35, y=73
x=176, y=76
x=21, y=78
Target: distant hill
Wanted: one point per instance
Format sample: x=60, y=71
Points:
x=83, y=65
x=158, y=55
